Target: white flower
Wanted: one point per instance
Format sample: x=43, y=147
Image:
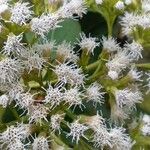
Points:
x=128, y=21
x=73, y=97
x=10, y=70
x=146, y=119
x=99, y=2
x=128, y=2
x=146, y=125
x=101, y=138
x=33, y=60
x=72, y=7
x=128, y=98
x=96, y=122
x=119, y=139
x=4, y=100
x=88, y=44
x=55, y=122
x=40, y=143
x=37, y=113
x=119, y=5
x=65, y=50
x=134, y=50
x=20, y=132
x=135, y=74
x=44, y=23
x=146, y=6
x=21, y=13
x=69, y=73
x=76, y=131
x=95, y=94
x=110, y=44
x=17, y=145
x=54, y=96
x=24, y=100
x=13, y=45
x=118, y=63
x=3, y=7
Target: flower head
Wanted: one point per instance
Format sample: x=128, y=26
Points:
x=21, y=13
x=88, y=43
x=119, y=5
x=4, y=100
x=76, y=131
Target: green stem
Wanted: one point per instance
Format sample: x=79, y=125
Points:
x=144, y=66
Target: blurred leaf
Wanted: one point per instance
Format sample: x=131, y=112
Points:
x=69, y=31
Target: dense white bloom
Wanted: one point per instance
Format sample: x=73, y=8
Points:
x=101, y=138
x=20, y=132
x=55, y=122
x=99, y=2
x=119, y=139
x=24, y=100
x=37, y=113
x=135, y=74
x=33, y=60
x=76, y=131
x=110, y=44
x=119, y=5
x=69, y=74
x=95, y=94
x=13, y=45
x=146, y=6
x=146, y=125
x=21, y=13
x=88, y=43
x=96, y=122
x=128, y=98
x=128, y=2
x=10, y=70
x=40, y=143
x=54, y=96
x=134, y=50
x=118, y=63
x=17, y=145
x=128, y=21
x=77, y=7
x=73, y=97
x=4, y=100
x=65, y=50
x=44, y=23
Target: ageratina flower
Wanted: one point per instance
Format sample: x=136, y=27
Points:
x=37, y=113
x=21, y=13
x=110, y=44
x=145, y=129
x=19, y=132
x=119, y=139
x=55, y=122
x=135, y=74
x=128, y=98
x=88, y=43
x=44, y=23
x=65, y=51
x=128, y=2
x=4, y=100
x=94, y=93
x=119, y=5
x=72, y=7
x=54, y=95
x=77, y=131
x=146, y=6
x=73, y=97
x=13, y=45
x=134, y=50
x=10, y=70
x=40, y=143
x=69, y=74
x=128, y=21
x=118, y=63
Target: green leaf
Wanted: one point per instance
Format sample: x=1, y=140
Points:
x=69, y=31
